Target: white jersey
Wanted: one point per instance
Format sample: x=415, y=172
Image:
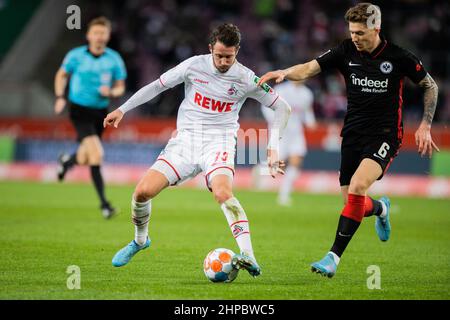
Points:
x=300, y=98
x=207, y=121
x=213, y=99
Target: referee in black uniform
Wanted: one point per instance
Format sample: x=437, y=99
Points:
x=372, y=134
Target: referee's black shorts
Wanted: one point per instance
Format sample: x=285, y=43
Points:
x=87, y=121
x=356, y=147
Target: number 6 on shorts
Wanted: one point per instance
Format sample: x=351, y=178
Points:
x=382, y=152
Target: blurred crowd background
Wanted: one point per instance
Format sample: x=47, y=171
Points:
x=153, y=36
x=156, y=35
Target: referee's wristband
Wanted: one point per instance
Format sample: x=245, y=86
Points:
x=59, y=97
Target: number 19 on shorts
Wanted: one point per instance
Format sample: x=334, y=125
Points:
x=222, y=156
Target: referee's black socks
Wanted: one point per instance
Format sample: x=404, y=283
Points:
x=71, y=162
x=98, y=183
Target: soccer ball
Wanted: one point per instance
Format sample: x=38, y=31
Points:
x=218, y=266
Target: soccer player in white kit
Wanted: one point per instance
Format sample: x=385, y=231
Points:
x=293, y=145
x=216, y=86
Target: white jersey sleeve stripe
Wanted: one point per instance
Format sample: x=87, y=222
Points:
x=162, y=83
x=271, y=105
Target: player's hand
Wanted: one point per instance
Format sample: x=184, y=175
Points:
x=278, y=75
x=275, y=165
x=105, y=91
x=113, y=118
x=424, y=140
x=60, y=103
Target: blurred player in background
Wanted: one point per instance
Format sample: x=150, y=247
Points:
x=372, y=134
x=97, y=74
x=293, y=145
x=216, y=86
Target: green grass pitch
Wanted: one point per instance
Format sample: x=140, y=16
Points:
x=44, y=228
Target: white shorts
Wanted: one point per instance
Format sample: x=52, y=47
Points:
x=188, y=154
x=292, y=145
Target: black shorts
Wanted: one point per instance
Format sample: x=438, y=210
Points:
x=355, y=148
x=87, y=121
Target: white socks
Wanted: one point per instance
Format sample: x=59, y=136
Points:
x=234, y=213
x=140, y=215
x=237, y=220
x=290, y=176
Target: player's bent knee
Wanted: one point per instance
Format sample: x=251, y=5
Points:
x=95, y=158
x=95, y=161
x=358, y=186
x=147, y=190
x=143, y=192
x=222, y=194
x=141, y=195
x=82, y=159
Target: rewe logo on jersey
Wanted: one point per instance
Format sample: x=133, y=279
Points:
x=370, y=85
x=212, y=104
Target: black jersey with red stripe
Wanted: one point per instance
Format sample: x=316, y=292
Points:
x=374, y=85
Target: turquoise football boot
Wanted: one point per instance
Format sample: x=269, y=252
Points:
x=243, y=261
x=326, y=266
x=382, y=224
x=124, y=255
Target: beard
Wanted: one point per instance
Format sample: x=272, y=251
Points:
x=223, y=69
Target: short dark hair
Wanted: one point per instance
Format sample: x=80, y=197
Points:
x=102, y=21
x=226, y=33
x=360, y=13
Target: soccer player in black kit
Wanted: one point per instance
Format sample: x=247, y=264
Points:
x=373, y=69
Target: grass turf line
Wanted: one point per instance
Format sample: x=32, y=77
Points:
x=44, y=228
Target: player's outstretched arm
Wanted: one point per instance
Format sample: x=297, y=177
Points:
x=297, y=72
x=424, y=141
x=282, y=112
x=145, y=94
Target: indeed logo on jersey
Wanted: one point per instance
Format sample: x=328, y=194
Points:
x=212, y=104
x=369, y=85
